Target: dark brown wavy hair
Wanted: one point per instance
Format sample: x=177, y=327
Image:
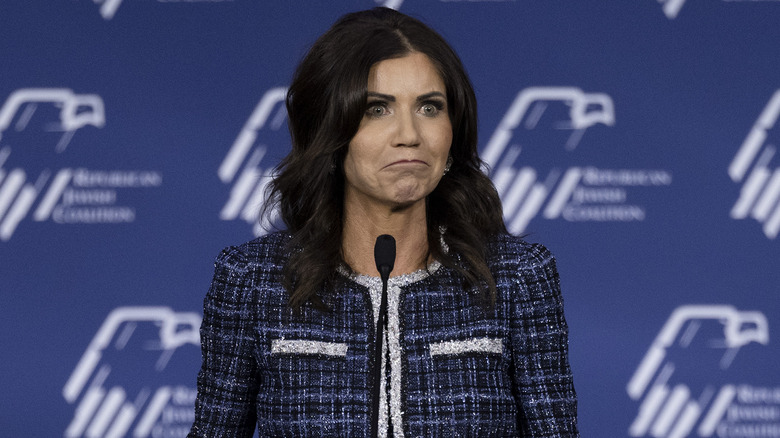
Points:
x=325, y=104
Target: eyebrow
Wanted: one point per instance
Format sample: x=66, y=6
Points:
x=420, y=98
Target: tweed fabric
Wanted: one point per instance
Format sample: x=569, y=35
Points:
x=523, y=388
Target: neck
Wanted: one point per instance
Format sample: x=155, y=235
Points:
x=363, y=225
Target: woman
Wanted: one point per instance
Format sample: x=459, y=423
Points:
x=383, y=125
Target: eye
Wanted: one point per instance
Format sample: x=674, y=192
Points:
x=431, y=109
x=376, y=109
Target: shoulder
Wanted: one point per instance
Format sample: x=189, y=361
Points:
x=522, y=270
x=240, y=273
x=508, y=250
x=239, y=270
x=262, y=252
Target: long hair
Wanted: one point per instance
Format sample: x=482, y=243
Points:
x=325, y=104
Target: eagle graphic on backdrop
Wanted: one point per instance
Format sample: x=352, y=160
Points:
x=76, y=110
x=125, y=384
x=673, y=381
x=752, y=166
x=522, y=190
x=17, y=192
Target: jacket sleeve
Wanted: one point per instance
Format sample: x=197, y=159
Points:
x=544, y=388
x=227, y=381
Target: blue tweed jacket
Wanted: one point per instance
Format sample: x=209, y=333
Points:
x=458, y=369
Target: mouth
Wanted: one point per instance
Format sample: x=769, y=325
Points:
x=407, y=163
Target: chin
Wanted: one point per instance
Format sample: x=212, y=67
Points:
x=408, y=199
x=408, y=193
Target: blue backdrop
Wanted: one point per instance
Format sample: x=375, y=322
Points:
x=636, y=140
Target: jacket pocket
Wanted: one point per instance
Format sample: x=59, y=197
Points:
x=467, y=346
x=308, y=347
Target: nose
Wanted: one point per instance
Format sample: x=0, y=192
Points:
x=407, y=131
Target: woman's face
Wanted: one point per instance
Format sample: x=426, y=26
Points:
x=399, y=152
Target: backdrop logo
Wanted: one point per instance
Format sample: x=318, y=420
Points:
x=64, y=195
x=126, y=383
x=108, y=8
x=576, y=193
x=696, y=345
x=392, y=4
x=242, y=165
x=672, y=7
x=759, y=197
x=76, y=110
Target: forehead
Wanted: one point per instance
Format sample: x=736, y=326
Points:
x=412, y=73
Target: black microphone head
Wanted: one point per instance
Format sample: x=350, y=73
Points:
x=384, y=254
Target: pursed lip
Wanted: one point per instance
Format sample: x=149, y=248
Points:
x=406, y=162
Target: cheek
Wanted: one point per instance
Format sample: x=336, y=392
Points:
x=349, y=168
x=444, y=142
x=356, y=162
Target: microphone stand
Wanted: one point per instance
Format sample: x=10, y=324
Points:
x=384, y=255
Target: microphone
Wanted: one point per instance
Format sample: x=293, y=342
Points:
x=384, y=256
